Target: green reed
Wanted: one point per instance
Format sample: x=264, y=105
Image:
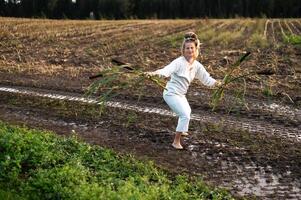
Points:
x=117, y=79
x=219, y=92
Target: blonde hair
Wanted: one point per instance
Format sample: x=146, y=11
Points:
x=191, y=37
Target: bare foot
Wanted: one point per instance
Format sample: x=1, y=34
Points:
x=177, y=146
x=184, y=134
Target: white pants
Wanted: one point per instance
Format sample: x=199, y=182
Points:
x=180, y=106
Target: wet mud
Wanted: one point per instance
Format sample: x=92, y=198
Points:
x=252, y=148
x=221, y=148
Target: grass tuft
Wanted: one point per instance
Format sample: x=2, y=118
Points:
x=258, y=40
x=293, y=39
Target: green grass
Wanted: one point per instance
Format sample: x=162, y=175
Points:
x=293, y=39
x=173, y=41
x=8, y=195
x=257, y=40
x=42, y=165
x=226, y=37
x=207, y=35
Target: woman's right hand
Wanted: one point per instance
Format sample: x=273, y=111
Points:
x=219, y=83
x=150, y=73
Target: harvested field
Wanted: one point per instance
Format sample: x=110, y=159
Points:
x=252, y=151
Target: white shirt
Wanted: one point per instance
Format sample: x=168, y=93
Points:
x=182, y=74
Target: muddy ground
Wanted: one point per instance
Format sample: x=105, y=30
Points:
x=251, y=148
x=248, y=161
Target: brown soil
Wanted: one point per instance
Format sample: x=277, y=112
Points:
x=252, y=152
x=225, y=154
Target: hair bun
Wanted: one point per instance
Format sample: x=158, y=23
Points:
x=190, y=35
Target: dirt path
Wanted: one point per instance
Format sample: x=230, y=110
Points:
x=247, y=155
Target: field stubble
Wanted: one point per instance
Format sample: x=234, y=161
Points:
x=61, y=55
x=60, y=50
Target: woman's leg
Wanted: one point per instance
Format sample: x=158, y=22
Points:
x=180, y=106
x=177, y=141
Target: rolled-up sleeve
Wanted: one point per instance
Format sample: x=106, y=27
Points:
x=204, y=76
x=168, y=69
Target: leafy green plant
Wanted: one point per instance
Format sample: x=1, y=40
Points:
x=9, y=195
x=293, y=39
x=41, y=165
x=290, y=37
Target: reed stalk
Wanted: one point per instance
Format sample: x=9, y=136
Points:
x=121, y=77
x=219, y=92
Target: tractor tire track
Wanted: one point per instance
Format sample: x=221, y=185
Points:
x=245, y=124
x=221, y=163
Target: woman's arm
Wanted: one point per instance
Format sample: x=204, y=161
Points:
x=205, y=77
x=166, y=71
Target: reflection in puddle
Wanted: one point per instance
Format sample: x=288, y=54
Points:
x=244, y=177
x=263, y=184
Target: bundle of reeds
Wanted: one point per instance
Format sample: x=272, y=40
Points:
x=121, y=77
x=219, y=92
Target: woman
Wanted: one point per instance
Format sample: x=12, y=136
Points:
x=182, y=71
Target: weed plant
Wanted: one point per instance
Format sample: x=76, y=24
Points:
x=292, y=39
x=41, y=165
x=258, y=38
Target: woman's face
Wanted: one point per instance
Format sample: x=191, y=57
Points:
x=189, y=49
